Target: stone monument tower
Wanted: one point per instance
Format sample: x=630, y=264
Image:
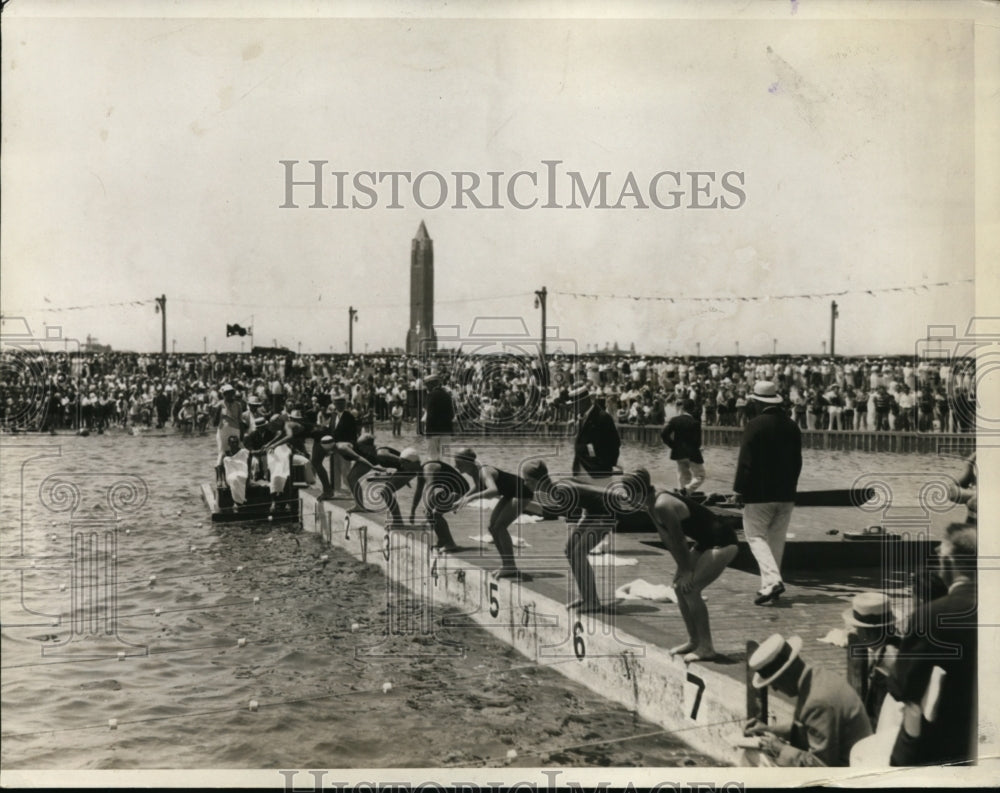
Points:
x=420, y=337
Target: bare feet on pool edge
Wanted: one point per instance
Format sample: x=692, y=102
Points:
x=505, y=572
x=447, y=548
x=325, y=497
x=680, y=649
x=699, y=655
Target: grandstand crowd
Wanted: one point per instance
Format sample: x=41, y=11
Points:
x=98, y=391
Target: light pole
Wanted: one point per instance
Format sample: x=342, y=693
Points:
x=774, y=346
x=737, y=348
x=173, y=346
x=161, y=309
x=540, y=297
x=352, y=317
x=697, y=346
x=833, y=326
x=204, y=344
x=300, y=348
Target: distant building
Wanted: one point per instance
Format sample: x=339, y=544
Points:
x=91, y=345
x=420, y=336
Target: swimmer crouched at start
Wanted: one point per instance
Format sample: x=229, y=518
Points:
x=514, y=494
x=677, y=519
x=380, y=472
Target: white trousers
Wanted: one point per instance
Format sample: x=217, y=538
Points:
x=689, y=474
x=765, y=526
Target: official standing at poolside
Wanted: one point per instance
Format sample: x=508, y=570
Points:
x=344, y=428
x=440, y=414
x=767, y=475
x=682, y=435
x=597, y=444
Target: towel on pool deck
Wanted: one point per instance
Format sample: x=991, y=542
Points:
x=236, y=474
x=611, y=560
x=641, y=589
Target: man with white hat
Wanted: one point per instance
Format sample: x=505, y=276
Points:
x=829, y=717
x=870, y=618
x=767, y=475
x=227, y=419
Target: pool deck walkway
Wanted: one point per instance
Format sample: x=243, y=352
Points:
x=622, y=654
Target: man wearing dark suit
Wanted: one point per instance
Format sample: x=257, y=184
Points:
x=935, y=671
x=767, y=475
x=682, y=435
x=597, y=444
x=439, y=416
x=344, y=428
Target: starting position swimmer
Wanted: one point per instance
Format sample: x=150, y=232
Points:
x=565, y=497
x=514, y=497
x=390, y=471
x=678, y=519
x=439, y=487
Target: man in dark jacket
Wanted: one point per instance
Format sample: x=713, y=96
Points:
x=344, y=428
x=597, y=444
x=439, y=418
x=935, y=671
x=682, y=435
x=767, y=474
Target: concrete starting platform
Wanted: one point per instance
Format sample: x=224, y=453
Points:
x=622, y=654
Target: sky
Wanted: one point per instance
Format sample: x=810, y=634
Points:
x=143, y=157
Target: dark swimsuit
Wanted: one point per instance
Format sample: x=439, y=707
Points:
x=702, y=526
x=510, y=486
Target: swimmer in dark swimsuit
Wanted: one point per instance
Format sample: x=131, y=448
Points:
x=439, y=487
x=677, y=519
x=566, y=497
x=514, y=497
x=378, y=471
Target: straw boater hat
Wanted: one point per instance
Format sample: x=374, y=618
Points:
x=772, y=658
x=432, y=377
x=870, y=610
x=766, y=391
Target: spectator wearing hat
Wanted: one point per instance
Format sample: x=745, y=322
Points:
x=682, y=435
x=871, y=620
x=935, y=673
x=767, y=475
x=597, y=444
x=829, y=716
x=226, y=419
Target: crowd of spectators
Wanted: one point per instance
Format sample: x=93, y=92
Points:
x=95, y=391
